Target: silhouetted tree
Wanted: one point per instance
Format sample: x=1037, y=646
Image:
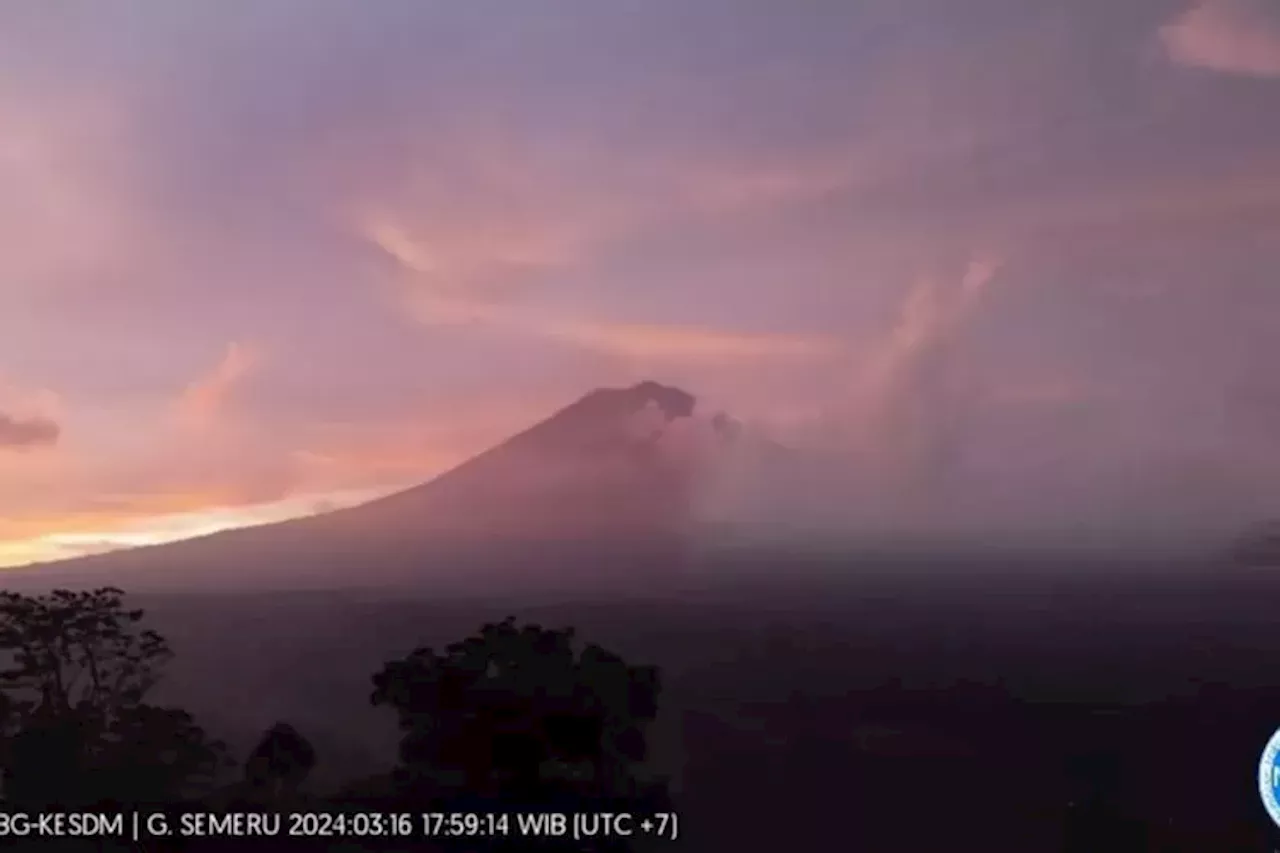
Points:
x=516, y=715
x=152, y=754
x=46, y=759
x=73, y=702
x=78, y=649
x=280, y=763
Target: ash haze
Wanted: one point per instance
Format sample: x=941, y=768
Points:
x=991, y=266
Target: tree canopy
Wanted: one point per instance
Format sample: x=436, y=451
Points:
x=518, y=712
x=515, y=715
x=80, y=667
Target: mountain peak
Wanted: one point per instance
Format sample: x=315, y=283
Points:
x=673, y=402
x=594, y=466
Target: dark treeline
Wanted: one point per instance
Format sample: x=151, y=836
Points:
x=520, y=718
x=516, y=718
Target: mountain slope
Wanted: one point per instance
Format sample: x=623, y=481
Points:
x=591, y=490
x=594, y=468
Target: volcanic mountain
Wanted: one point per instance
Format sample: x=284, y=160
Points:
x=595, y=468
x=599, y=488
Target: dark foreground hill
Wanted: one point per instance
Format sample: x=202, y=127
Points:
x=1003, y=709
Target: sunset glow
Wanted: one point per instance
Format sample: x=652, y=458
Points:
x=252, y=269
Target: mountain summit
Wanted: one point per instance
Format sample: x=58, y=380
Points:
x=597, y=467
x=605, y=484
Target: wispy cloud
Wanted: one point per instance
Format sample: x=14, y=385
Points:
x=932, y=316
x=1229, y=36
x=641, y=343
x=909, y=389
x=205, y=399
x=687, y=344
x=474, y=280
x=468, y=254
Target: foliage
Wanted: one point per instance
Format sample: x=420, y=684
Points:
x=80, y=668
x=517, y=711
x=78, y=649
x=154, y=753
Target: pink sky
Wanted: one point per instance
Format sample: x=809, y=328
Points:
x=260, y=258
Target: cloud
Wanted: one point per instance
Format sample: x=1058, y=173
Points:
x=641, y=343
x=1228, y=36
x=461, y=254
x=907, y=387
x=205, y=399
x=105, y=512
x=636, y=342
x=22, y=433
x=433, y=307
x=566, y=212
x=891, y=441
x=915, y=392
x=747, y=187
x=687, y=344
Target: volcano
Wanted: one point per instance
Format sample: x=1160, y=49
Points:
x=596, y=468
x=594, y=491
